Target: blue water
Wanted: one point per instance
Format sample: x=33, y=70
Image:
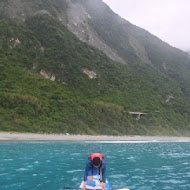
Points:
x=138, y=166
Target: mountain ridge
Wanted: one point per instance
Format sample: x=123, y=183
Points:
x=147, y=75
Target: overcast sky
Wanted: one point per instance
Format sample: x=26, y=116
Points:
x=167, y=19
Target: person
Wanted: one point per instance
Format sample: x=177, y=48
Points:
x=96, y=165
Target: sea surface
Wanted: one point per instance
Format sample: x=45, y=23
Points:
x=52, y=166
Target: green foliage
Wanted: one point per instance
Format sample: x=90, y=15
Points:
x=74, y=103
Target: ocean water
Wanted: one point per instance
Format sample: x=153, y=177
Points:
x=52, y=166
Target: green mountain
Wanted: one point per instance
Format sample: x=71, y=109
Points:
x=77, y=67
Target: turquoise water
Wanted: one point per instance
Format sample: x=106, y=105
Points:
x=138, y=166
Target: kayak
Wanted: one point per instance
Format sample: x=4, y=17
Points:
x=95, y=184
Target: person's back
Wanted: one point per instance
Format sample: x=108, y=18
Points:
x=95, y=166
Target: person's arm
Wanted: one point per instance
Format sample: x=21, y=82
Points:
x=103, y=171
x=84, y=185
x=88, y=164
x=103, y=175
x=103, y=185
x=86, y=170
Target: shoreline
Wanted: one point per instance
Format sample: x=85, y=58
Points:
x=31, y=137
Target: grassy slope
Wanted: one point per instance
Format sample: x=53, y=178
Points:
x=34, y=104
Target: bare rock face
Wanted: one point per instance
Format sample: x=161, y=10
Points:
x=91, y=74
x=14, y=43
x=139, y=50
x=79, y=22
x=169, y=98
x=47, y=75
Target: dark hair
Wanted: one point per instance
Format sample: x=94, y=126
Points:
x=96, y=161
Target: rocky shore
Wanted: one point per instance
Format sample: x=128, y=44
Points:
x=30, y=137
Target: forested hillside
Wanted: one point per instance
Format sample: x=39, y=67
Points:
x=52, y=82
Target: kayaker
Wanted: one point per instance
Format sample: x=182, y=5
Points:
x=95, y=166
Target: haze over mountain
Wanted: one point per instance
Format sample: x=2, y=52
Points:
x=75, y=66
x=169, y=23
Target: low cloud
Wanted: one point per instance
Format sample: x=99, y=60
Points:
x=167, y=19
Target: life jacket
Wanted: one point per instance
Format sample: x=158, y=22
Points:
x=94, y=155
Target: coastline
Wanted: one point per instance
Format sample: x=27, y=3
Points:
x=31, y=137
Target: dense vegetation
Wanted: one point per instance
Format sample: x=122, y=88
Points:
x=75, y=103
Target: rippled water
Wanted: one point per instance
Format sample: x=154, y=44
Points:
x=138, y=166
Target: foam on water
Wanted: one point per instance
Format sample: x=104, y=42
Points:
x=115, y=142
x=73, y=171
x=21, y=169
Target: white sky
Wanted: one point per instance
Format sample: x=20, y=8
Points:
x=167, y=19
